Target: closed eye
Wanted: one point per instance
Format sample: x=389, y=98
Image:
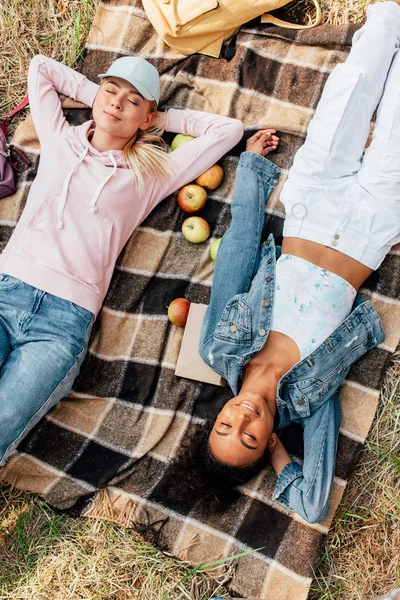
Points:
x=241, y=441
x=132, y=102
x=250, y=436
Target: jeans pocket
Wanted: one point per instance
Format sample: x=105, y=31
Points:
x=81, y=312
x=8, y=283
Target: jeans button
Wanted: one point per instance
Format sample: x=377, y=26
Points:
x=262, y=332
x=233, y=328
x=266, y=303
x=268, y=279
x=300, y=402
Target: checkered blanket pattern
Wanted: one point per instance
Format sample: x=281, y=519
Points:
x=111, y=439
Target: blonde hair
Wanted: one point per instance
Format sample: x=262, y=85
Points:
x=146, y=154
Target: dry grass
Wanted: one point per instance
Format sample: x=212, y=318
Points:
x=339, y=12
x=44, y=555
x=361, y=558
x=28, y=27
x=48, y=556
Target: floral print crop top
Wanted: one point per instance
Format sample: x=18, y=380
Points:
x=310, y=302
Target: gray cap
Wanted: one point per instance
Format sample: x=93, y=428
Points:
x=139, y=72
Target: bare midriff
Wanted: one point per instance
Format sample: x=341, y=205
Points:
x=280, y=352
x=328, y=258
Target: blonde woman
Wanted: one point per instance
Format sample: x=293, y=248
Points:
x=94, y=185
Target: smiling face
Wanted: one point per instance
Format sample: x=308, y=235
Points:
x=119, y=110
x=242, y=430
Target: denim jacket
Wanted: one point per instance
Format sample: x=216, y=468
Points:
x=236, y=326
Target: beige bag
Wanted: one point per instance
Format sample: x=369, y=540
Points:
x=203, y=25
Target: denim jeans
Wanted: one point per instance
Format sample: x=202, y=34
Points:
x=43, y=341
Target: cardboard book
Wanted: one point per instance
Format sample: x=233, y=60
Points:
x=189, y=363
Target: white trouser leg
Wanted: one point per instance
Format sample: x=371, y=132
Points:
x=380, y=170
x=338, y=132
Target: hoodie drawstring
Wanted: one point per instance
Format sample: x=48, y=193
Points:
x=64, y=193
x=93, y=207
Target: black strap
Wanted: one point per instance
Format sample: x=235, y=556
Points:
x=228, y=50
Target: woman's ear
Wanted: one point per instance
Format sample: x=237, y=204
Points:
x=272, y=442
x=148, y=121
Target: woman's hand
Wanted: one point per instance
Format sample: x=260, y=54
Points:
x=262, y=142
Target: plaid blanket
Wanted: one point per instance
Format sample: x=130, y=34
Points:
x=111, y=439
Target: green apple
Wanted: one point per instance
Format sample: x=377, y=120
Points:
x=214, y=248
x=196, y=230
x=180, y=139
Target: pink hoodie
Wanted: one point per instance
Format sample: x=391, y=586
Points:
x=82, y=206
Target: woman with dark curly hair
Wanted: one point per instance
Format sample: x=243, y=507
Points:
x=284, y=325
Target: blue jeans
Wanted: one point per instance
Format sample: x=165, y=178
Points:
x=43, y=341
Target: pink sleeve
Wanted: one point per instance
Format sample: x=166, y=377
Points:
x=46, y=79
x=215, y=136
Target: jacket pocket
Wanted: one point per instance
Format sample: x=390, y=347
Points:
x=81, y=249
x=341, y=93
x=235, y=323
x=304, y=393
x=182, y=15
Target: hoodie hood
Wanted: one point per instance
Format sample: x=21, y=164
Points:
x=79, y=139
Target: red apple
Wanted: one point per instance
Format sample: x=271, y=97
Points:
x=196, y=229
x=178, y=311
x=192, y=198
x=211, y=178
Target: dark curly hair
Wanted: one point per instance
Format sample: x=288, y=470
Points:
x=200, y=476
